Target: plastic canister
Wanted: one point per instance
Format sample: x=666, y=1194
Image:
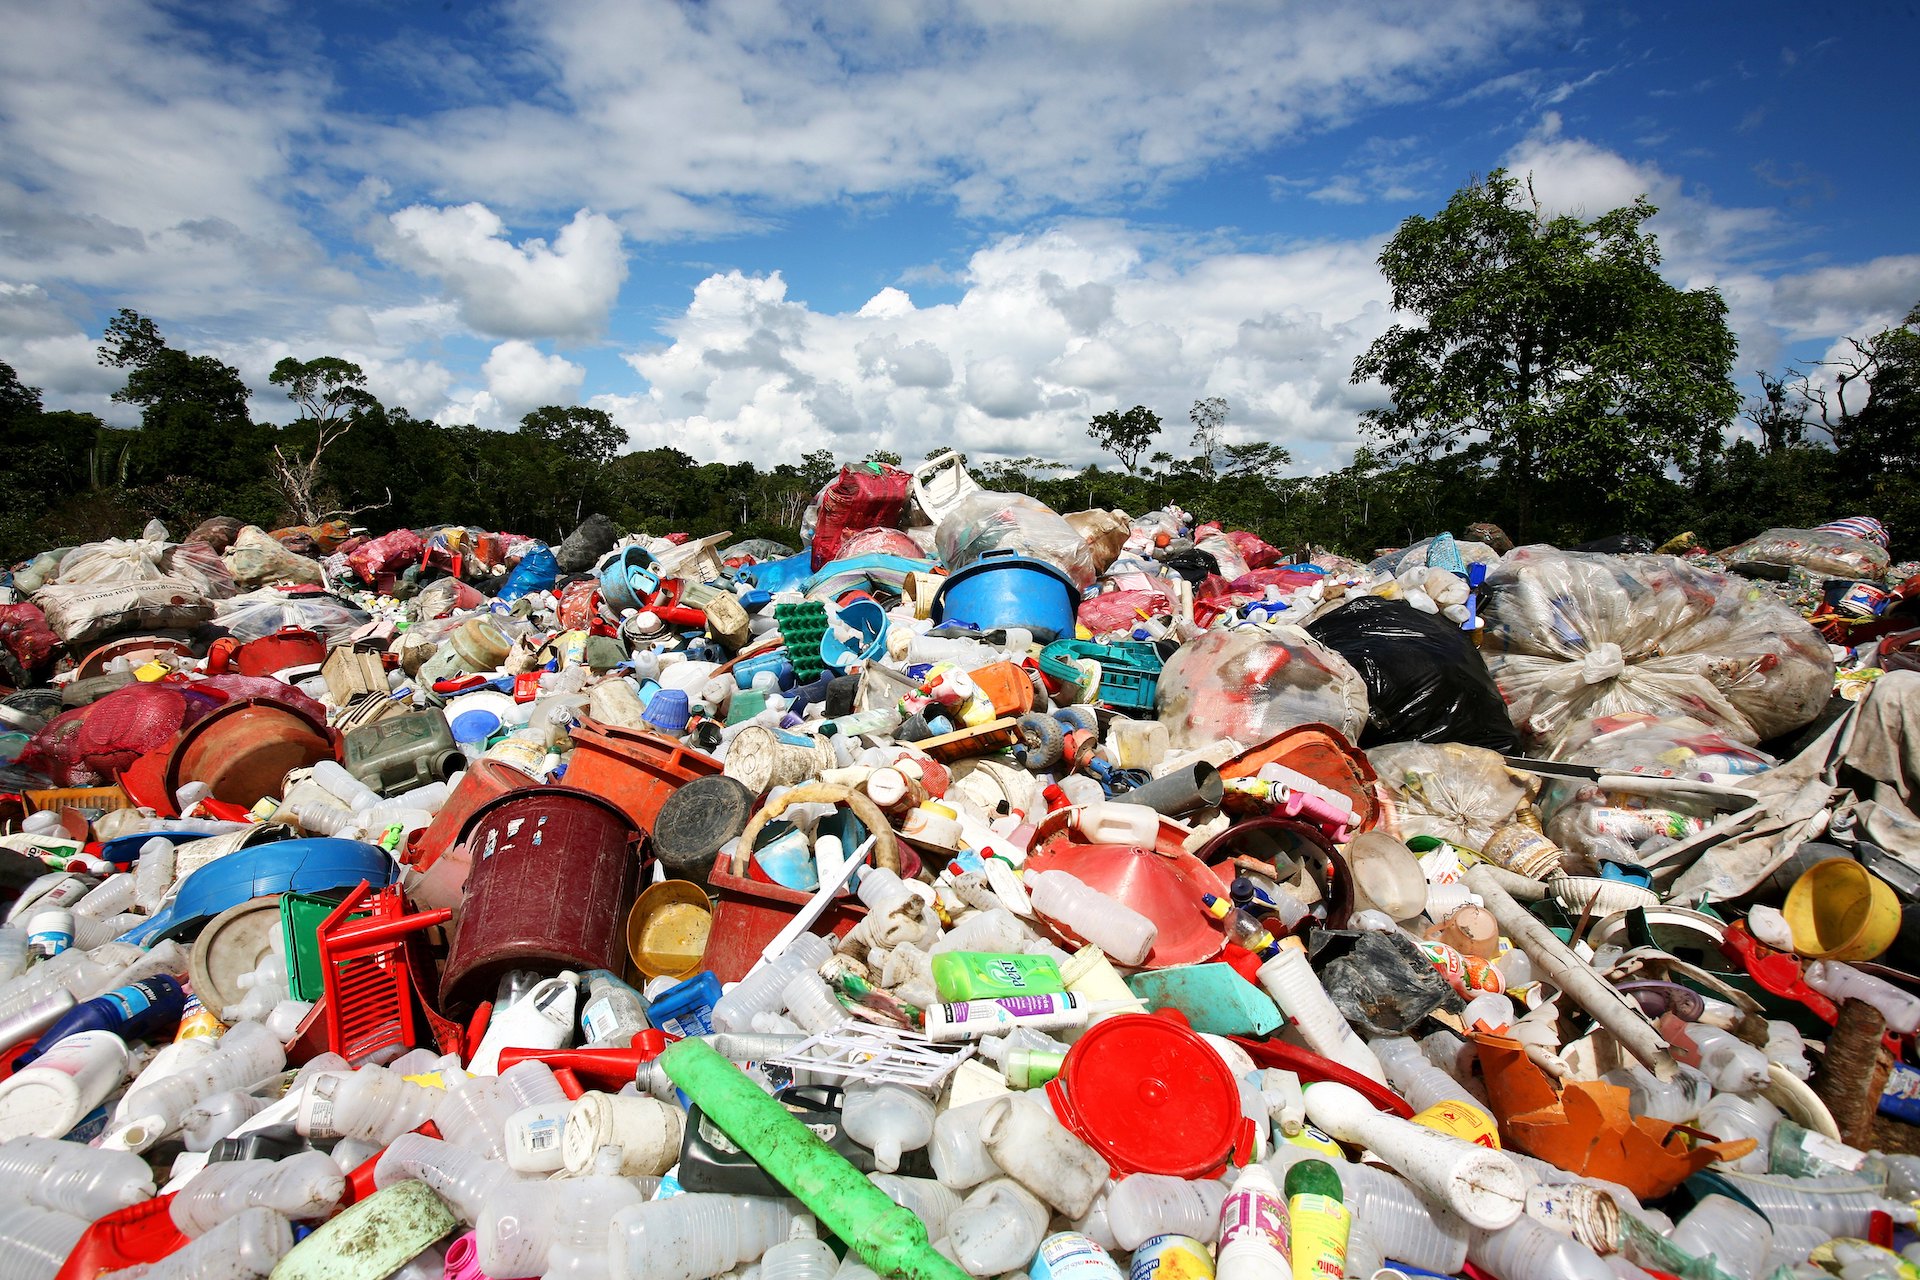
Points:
x=1151, y=1097
x=1068, y=1255
x=57, y=1091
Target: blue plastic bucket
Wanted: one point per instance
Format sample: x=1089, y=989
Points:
x=1005, y=589
x=870, y=620
x=628, y=577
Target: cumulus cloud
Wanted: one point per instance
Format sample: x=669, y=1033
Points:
x=747, y=371
x=519, y=379
x=526, y=290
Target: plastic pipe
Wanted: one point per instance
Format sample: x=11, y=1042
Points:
x=887, y=1237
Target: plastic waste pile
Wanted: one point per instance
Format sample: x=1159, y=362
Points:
x=976, y=890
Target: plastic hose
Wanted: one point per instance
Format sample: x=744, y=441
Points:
x=888, y=1238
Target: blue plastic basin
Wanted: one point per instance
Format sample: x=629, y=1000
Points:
x=1004, y=589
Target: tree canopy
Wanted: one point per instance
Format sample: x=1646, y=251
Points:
x=1125, y=435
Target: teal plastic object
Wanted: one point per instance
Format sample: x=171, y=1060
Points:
x=628, y=577
x=1129, y=671
x=878, y=571
x=1212, y=997
x=869, y=620
x=285, y=866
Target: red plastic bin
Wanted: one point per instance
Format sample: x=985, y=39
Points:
x=750, y=912
x=634, y=769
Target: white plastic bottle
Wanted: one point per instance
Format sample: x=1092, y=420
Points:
x=959, y=1155
x=36, y=1241
x=1289, y=978
x=534, y=1135
x=73, y=1178
x=1145, y=1205
x=1252, y=1230
x=62, y=1086
x=1734, y=1237
x=811, y=1004
x=246, y=1053
x=243, y=1247
x=473, y=1113
x=761, y=990
x=581, y=1236
x=801, y=1256
x=887, y=1119
x=458, y=1176
x=997, y=1228
x=930, y=1202
x=355, y=794
x=305, y=1186
x=1730, y=1063
x=371, y=1104
x=693, y=1236
x=153, y=874
x=1840, y=981
x=540, y=1019
x=1484, y=1187
x=1414, y=1077
x=1043, y=1155
x=1114, y=927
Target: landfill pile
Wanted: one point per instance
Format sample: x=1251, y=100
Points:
x=977, y=890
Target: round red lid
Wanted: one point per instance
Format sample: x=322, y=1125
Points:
x=1150, y=1096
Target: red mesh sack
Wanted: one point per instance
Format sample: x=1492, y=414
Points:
x=1257, y=553
x=389, y=551
x=1120, y=610
x=578, y=605
x=1259, y=580
x=29, y=641
x=864, y=496
x=231, y=687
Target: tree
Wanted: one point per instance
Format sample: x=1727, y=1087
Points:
x=1259, y=459
x=1551, y=346
x=886, y=457
x=1125, y=435
x=161, y=378
x=584, y=435
x=1208, y=416
x=331, y=394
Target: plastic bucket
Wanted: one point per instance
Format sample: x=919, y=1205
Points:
x=553, y=870
x=1002, y=589
x=668, y=927
x=244, y=750
x=635, y=770
x=1839, y=910
x=868, y=619
x=627, y=578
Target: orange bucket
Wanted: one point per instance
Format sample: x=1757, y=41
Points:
x=1007, y=686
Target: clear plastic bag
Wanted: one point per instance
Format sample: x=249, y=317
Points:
x=198, y=562
x=261, y=613
x=1455, y=792
x=988, y=521
x=1422, y=553
x=257, y=559
x=1573, y=636
x=1248, y=684
x=1834, y=554
x=115, y=560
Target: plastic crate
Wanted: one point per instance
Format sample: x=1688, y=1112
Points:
x=801, y=626
x=301, y=915
x=1129, y=672
x=92, y=802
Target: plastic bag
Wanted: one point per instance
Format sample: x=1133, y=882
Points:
x=261, y=613
x=1122, y=610
x=81, y=613
x=1248, y=684
x=1455, y=792
x=1425, y=683
x=256, y=560
x=537, y=571
x=878, y=542
x=1257, y=553
x=1225, y=553
x=1385, y=984
x=198, y=562
x=1833, y=554
x=1105, y=531
x=1156, y=529
x=388, y=552
x=1433, y=551
x=217, y=532
x=988, y=521
x=1570, y=637
x=115, y=560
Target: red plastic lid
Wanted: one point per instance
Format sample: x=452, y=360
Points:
x=1151, y=1097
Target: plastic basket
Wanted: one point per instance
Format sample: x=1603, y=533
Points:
x=1129, y=673
x=301, y=915
x=90, y=801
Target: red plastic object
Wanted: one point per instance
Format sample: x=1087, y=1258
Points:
x=864, y=495
x=126, y=1237
x=1777, y=972
x=1322, y=753
x=554, y=870
x=484, y=780
x=634, y=769
x=606, y=1068
x=244, y=749
x=665, y=605
x=1151, y=1096
x=145, y=782
x=749, y=914
x=287, y=647
x=1310, y=1066
x=368, y=974
x=1164, y=888
x=569, y=1083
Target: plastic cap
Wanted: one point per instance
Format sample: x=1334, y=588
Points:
x=1314, y=1178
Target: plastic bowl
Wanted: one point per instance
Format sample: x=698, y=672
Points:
x=667, y=929
x=1839, y=910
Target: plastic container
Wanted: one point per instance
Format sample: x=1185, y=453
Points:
x=1485, y=1188
x=635, y=769
x=1525, y=1248
x=1003, y=589
x=1838, y=910
x=462, y=1178
x=399, y=753
x=1735, y=1238
x=1839, y=982
x=1147, y=1204
x=693, y=1236
x=370, y=1104
x=930, y=1202
x=958, y=1152
x=646, y=1130
x=69, y=1080
x=762, y=990
x=74, y=1178
x=1151, y=1096
x=304, y=1186
x=133, y=1012
x=35, y=1241
x=997, y=1228
x=1028, y=1141
x=887, y=1119
x=540, y=1019
x=1415, y=1078
x=1115, y=928
x=802, y=1256
x=1289, y=978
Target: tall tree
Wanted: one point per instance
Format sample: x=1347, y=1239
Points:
x=1209, y=419
x=331, y=394
x=1125, y=435
x=1552, y=346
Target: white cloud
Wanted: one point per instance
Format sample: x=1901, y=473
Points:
x=519, y=378
x=529, y=290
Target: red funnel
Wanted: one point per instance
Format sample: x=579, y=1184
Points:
x=1165, y=888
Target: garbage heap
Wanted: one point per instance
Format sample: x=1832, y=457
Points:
x=977, y=890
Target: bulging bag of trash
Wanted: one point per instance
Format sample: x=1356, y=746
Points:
x=1571, y=636
x=1442, y=551
x=986, y=521
x=256, y=559
x=1837, y=555
x=1250, y=683
x=1458, y=793
x=1424, y=683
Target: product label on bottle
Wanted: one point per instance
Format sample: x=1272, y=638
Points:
x=1171, y=1258
x=543, y=1135
x=1010, y=1006
x=1461, y=1120
x=131, y=1001
x=600, y=1019
x=1901, y=1096
x=316, y=1109
x=1072, y=1256
x=1254, y=1215
x=1320, y=1227
x=711, y=1134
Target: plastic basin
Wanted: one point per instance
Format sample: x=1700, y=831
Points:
x=244, y=750
x=668, y=927
x=1839, y=910
x=1002, y=589
x=635, y=770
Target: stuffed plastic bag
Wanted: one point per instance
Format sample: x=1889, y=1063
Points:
x=81, y=613
x=1424, y=681
x=1459, y=793
x=199, y=563
x=1572, y=636
x=115, y=560
x=1836, y=555
x=989, y=521
x=1106, y=534
x=1225, y=552
x=257, y=560
x=1442, y=551
x=388, y=552
x=261, y=613
x=1250, y=683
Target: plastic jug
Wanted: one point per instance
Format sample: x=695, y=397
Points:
x=1043, y=1155
x=997, y=1228
x=693, y=1236
x=888, y=1119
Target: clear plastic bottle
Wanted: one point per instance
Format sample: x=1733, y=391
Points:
x=84, y=1181
x=761, y=990
x=887, y=1119
x=473, y=1113
x=997, y=1228
x=304, y=1186
x=1734, y=1237
x=34, y=1242
x=213, y=1118
x=614, y=1013
x=1729, y=1063
x=581, y=1237
x=1730, y=1117
x=530, y=1084
x=932, y=1203
x=372, y=1104
x=246, y=1053
x=243, y=1247
x=1115, y=928
x=1839, y=1205
x=515, y=1228
x=1400, y=1223
x=153, y=874
x=1414, y=1077
x=694, y=1236
x=1526, y=1249
x=1145, y=1205
x=458, y=1176
x=810, y=1002
x=1842, y=981
x=355, y=794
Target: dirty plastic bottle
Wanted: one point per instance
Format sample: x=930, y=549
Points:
x=1145, y=1205
x=811, y=1004
x=246, y=1053
x=930, y=1202
x=801, y=1256
x=959, y=1154
x=13, y=953
x=761, y=990
x=1414, y=1077
x=1115, y=928
x=213, y=1118
x=462, y=1178
x=1482, y=1186
x=473, y=1114
x=1842, y=981
x=613, y=1013
x=514, y=1228
x=1043, y=1155
x=887, y=1119
x=49, y=1098
x=581, y=1237
x=694, y=1236
x=1525, y=1248
x=35, y=1241
x=372, y=1104
x=1289, y=978
x=997, y=1228
x=1729, y=1063
x=73, y=1178
x=541, y=1019
x=1839, y=1205
x=1736, y=1238
x=243, y=1247
x=1730, y=1117
x=534, y=1136
x=305, y=1186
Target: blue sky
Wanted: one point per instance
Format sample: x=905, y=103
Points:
x=753, y=229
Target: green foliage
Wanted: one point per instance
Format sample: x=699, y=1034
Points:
x=1551, y=348
x=1125, y=435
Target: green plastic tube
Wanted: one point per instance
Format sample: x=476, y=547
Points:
x=888, y=1238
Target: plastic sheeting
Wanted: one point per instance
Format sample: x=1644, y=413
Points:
x=1573, y=636
x=988, y=521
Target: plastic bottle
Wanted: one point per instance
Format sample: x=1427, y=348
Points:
x=1840, y=1206
x=247, y=1053
x=305, y=1186
x=153, y=874
x=1318, y=1221
x=1414, y=1077
x=1525, y=1248
x=1482, y=1186
x=50, y=931
x=14, y=953
x=541, y=1019
x=1253, y=1230
x=1842, y=981
x=1729, y=1063
x=810, y=1002
x=533, y=1137
x=473, y=1112
x=646, y=1132
x=887, y=1119
x=581, y=1237
x=1289, y=978
x=243, y=1247
x=997, y=1228
x=694, y=1236
x=1730, y=1117
x=960, y=1157
x=69, y=1080
x=930, y=1202
x=801, y=1256
x=1115, y=928
x=213, y=1118
x=1734, y=1237
x=131, y=1012
x=761, y=990
x=1115, y=822
x=74, y=1178
x=613, y=1012
x=35, y=1242
x=462, y=1178
x=1145, y=1205
x=1028, y=1141
x=355, y=794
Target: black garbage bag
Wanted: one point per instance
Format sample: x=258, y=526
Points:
x=1383, y=983
x=1425, y=681
x=1620, y=544
x=586, y=544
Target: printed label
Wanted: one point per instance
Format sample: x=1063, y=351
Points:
x=131, y=1001
x=1171, y=1258
x=544, y=1135
x=1072, y=1256
x=1255, y=1214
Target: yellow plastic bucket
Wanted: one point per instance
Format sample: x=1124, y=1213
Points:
x=1838, y=910
x=667, y=929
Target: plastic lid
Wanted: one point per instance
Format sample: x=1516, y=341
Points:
x=38, y=1103
x=700, y=816
x=1151, y=1097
